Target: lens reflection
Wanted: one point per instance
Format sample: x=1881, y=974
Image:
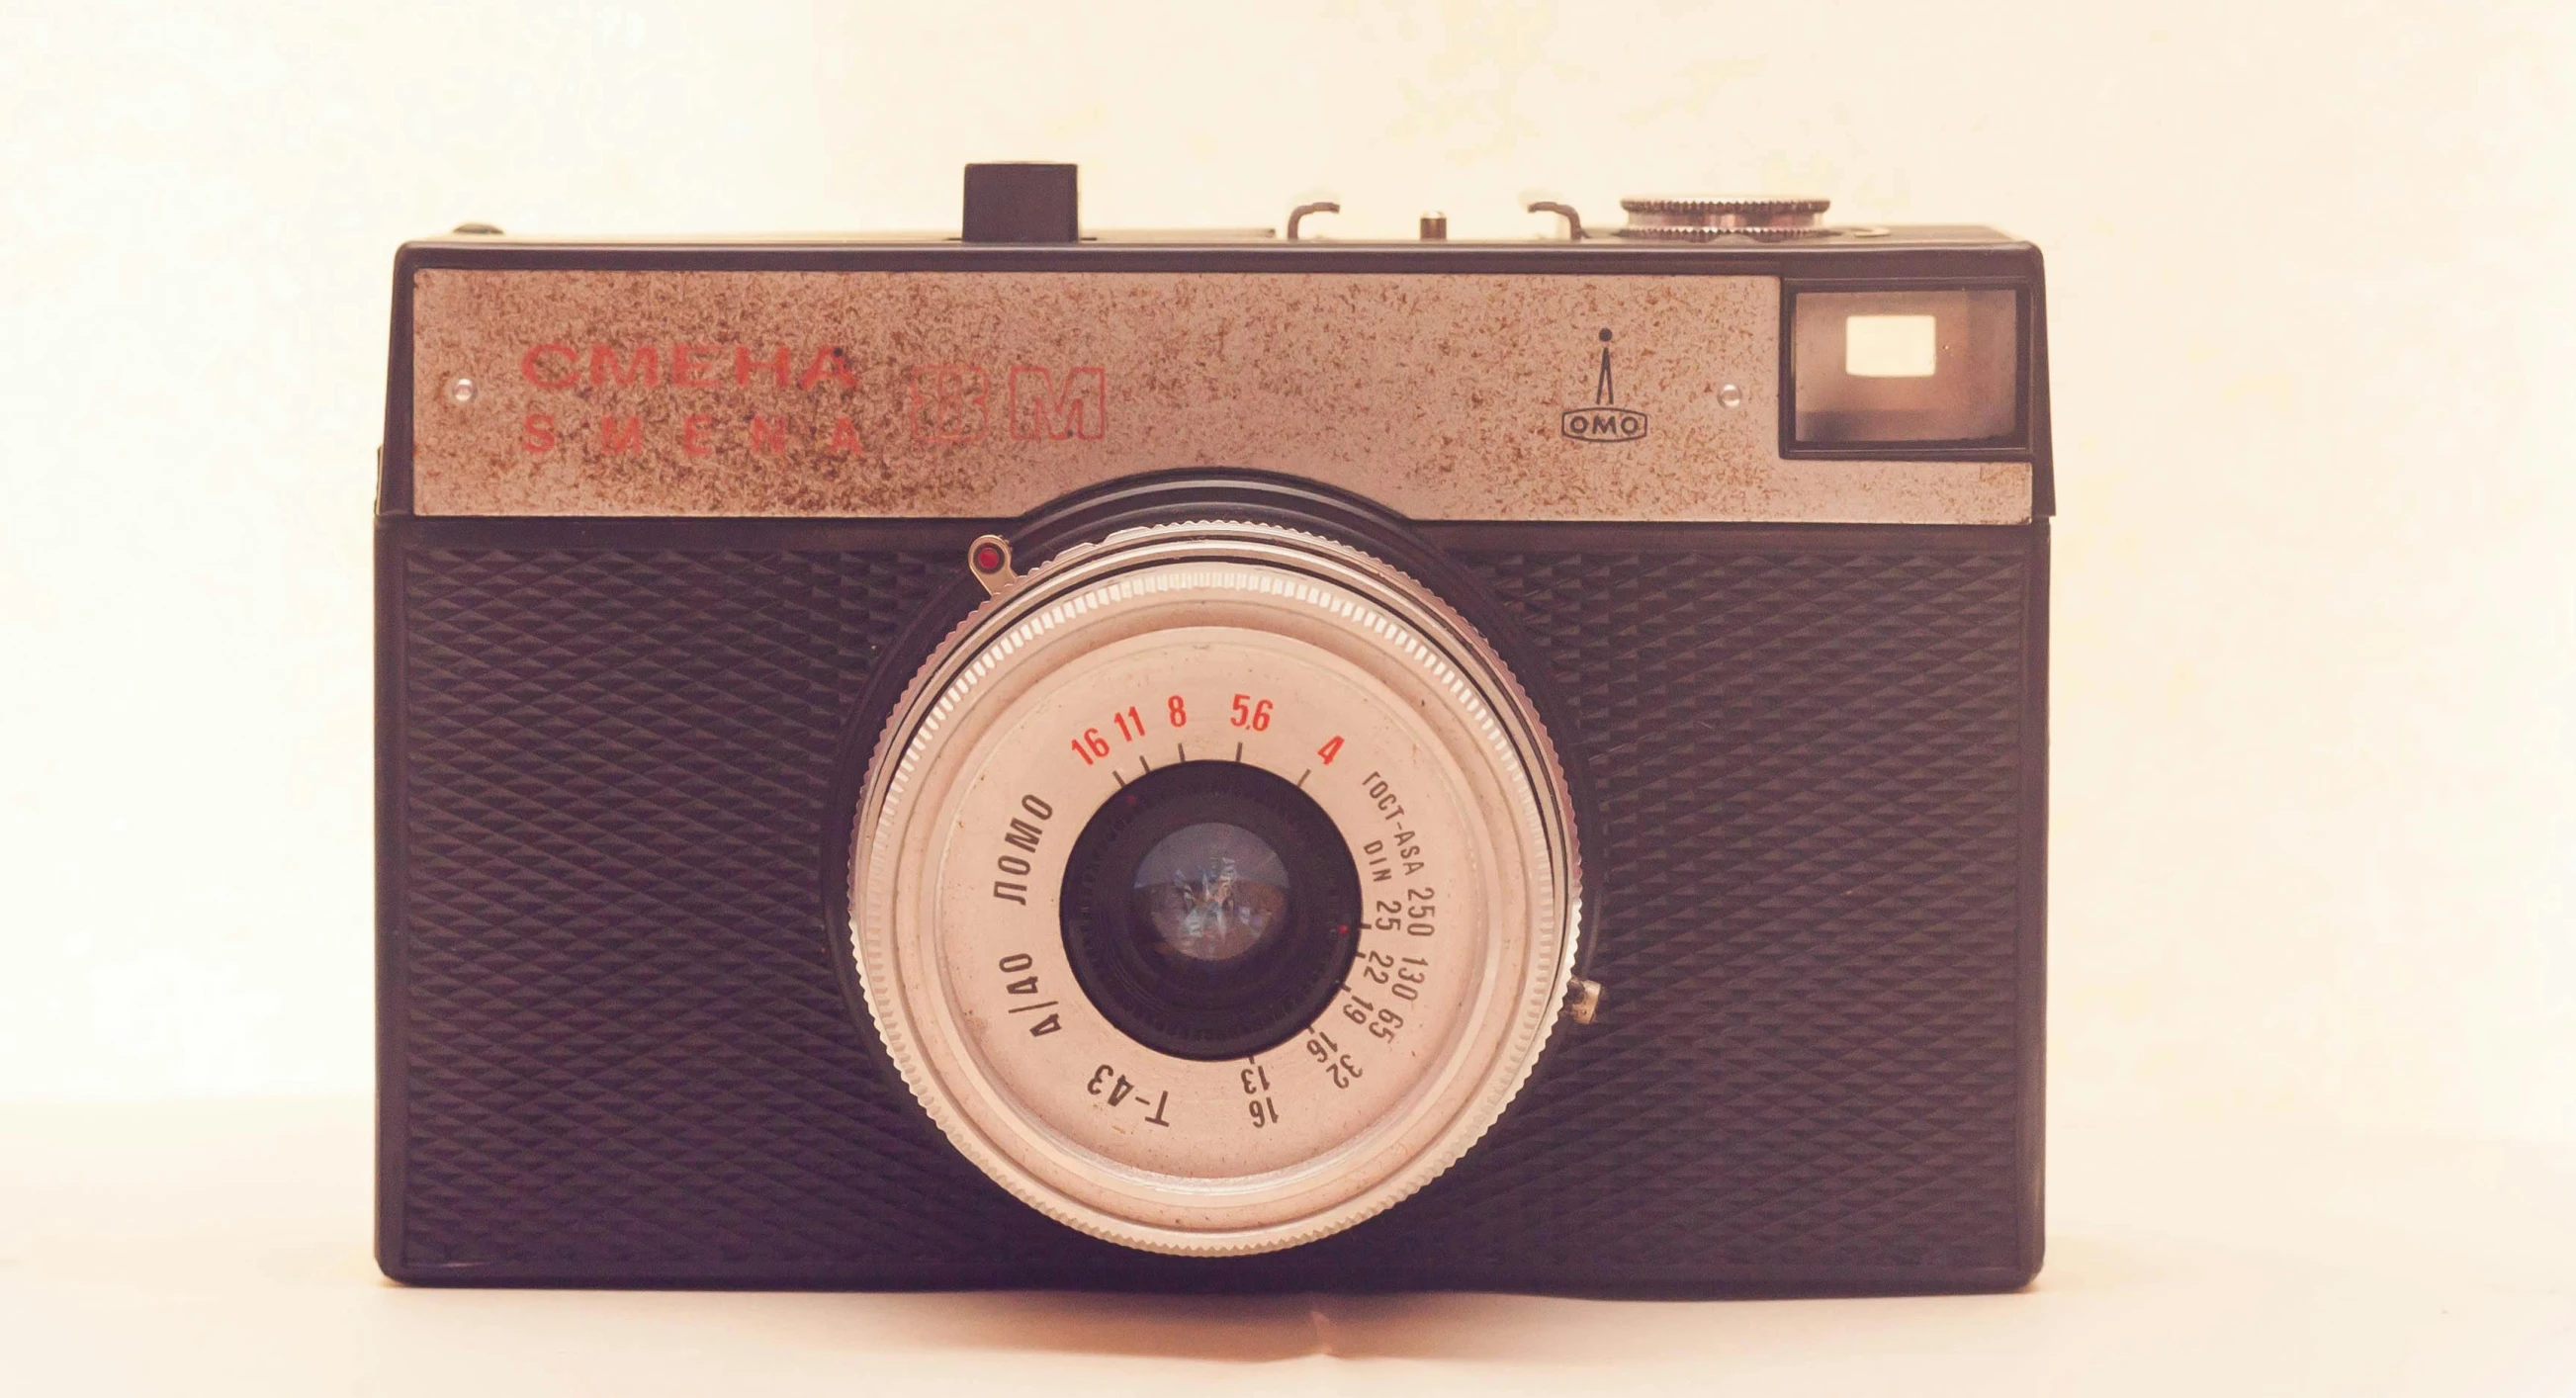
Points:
x=1212, y=891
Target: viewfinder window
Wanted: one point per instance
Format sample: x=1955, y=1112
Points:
x=1891, y=347
x=1907, y=368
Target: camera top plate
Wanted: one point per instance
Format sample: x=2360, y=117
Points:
x=1600, y=380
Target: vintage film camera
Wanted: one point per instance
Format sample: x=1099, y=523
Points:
x=1216, y=761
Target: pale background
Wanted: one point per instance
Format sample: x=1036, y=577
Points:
x=2311, y=299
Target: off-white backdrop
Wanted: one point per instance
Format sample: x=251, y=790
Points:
x=2311, y=303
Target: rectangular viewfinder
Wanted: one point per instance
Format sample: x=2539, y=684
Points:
x=1900, y=368
x=1891, y=347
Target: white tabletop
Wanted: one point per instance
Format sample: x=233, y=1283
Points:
x=221, y=1248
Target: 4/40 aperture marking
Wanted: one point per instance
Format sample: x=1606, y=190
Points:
x=1021, y=967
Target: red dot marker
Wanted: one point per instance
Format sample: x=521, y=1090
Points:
x=988, y=558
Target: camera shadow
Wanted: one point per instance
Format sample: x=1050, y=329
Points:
x=1237, y=1329
x=1526, y=1330
x=1268, y=1329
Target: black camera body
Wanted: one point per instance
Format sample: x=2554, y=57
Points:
x=1753, y=508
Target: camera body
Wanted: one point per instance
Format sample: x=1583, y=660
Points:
x=1731, y=532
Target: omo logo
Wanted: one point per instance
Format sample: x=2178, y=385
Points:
x=1605, y=420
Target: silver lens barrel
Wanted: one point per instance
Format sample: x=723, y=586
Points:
x=1058, y=716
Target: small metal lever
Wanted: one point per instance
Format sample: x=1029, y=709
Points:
x=1298, y=215
x=1573, y=220
x=989, y=559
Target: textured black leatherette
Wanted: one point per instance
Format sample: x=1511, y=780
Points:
x=617, y=1050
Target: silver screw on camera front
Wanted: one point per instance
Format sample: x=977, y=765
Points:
x=1583, y=1001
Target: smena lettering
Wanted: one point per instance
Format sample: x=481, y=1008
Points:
x=557, y=366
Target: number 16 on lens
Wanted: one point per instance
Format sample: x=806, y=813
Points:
x=1256, y=1085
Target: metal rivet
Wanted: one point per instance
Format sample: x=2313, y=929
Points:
x=1730, y=395
x=460, y=390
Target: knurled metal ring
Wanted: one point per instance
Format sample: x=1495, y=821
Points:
x=1704, y=204
x=1701, y=233
x=1700, y=218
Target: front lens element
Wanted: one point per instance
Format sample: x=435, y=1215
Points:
x=1210, y=910
x=1211, y=891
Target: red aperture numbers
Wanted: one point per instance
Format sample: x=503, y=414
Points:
x=1129, y=724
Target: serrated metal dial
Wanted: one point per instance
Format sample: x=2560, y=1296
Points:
x=1697, y=217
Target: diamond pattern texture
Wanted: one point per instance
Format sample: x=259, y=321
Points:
x=626, y=1055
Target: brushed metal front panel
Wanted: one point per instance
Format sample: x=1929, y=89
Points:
x=984, y=394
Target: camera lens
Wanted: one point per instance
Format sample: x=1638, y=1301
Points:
x=1209, y=910
x=1214, y=887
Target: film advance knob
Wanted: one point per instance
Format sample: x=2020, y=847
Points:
x=1697, y=217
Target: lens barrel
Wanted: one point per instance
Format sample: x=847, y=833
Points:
x=1214, y=887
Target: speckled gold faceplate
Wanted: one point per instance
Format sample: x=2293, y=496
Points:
x=988, y=393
